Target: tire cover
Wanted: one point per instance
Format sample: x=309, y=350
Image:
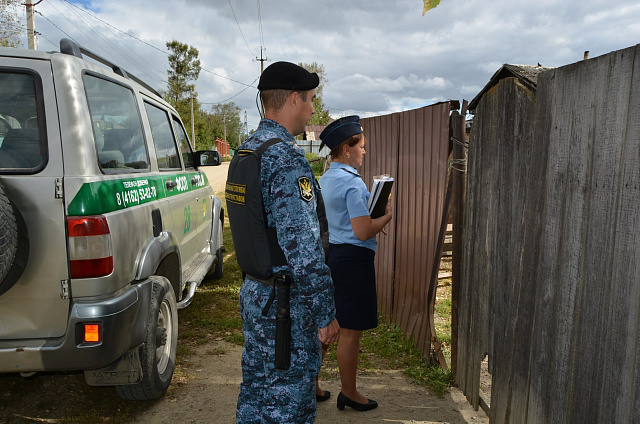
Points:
x=8, y=237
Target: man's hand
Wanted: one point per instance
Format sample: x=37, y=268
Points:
x=329, y=334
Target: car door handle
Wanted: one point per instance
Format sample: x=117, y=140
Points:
x=194, y=181
x=171, y=184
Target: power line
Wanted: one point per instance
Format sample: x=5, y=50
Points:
x=119, y=51
x=117, y=29
x=238, y=23
x=142, y=67
x=235, y=95
x=70, y=21
x=260, y=25
x=230, y=79
x=51, y=22
x=50, y=42
x=150, y=45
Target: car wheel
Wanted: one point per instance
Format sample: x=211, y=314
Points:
x=217, y=270
x=8, y=240
x=158, y=353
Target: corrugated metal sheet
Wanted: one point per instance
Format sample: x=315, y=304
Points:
x=413, y=148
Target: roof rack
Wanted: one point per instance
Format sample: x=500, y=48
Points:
x=72, y=48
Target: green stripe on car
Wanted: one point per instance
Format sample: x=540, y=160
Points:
x=102, y=197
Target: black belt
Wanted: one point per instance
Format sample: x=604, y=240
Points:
x=269, y=281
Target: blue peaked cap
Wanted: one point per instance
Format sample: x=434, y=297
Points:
x=339, y=130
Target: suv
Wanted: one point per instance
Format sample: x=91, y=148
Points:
x=106, y=221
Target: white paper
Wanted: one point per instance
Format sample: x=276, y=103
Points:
x=376, y=188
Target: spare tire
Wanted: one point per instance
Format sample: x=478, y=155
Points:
x=8, y=239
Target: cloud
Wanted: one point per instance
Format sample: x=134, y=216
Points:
x=379, y=56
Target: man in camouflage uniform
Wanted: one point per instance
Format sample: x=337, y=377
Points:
x=290, y=193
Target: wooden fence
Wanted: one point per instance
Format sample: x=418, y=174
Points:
x=413, y=147
x=551, y=278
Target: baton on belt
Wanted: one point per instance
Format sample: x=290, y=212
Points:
x=283, y=323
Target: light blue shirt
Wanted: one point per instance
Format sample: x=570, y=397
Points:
x=345, y=197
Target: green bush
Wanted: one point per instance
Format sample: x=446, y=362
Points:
x=316, y=163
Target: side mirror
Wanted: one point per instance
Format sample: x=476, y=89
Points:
x=207, y=158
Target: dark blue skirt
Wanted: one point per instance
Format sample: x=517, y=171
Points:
x=354, y=277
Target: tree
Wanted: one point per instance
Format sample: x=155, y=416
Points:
x=184, y=70
x=320, y=116
x=224, y=121
x=429, y=4
x=10, y=26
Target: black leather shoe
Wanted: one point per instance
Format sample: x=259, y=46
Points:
x=345, y=401
x=326, y=394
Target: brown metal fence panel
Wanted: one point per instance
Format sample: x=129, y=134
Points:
x=382, y=158
x=415, y=148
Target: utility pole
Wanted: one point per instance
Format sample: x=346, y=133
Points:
x=193, y=127
x=31, y=27
x=246, y=133
x=262, y=60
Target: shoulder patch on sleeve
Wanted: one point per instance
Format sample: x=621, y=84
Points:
x=306, y=189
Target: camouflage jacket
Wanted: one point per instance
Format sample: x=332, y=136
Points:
x=289, y=193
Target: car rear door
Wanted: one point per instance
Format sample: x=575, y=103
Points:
x=36, y=306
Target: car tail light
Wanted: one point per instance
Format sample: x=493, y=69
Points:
x=89, y=246
x=91, y=333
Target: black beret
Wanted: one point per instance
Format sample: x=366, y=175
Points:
x=287, y=76
x=339, y=130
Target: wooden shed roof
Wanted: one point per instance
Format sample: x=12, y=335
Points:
x=527, y=74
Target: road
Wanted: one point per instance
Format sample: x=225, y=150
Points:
x=217, y=176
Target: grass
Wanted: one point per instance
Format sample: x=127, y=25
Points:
x=214, y=315
x=387, y=348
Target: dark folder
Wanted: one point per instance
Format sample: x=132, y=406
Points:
x=379, y=197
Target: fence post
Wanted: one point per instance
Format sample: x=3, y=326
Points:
x=458, y=203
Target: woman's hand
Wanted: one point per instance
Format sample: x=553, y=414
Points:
x=364, y=227
x=388, y=210
x=330, y=333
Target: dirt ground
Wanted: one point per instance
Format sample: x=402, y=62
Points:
x=205, y=390
x=214, y=381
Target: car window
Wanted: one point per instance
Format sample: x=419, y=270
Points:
x=116, y=126
x=21, y=141
x=166, y=149
x=185, y=148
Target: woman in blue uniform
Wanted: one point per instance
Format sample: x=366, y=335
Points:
x=352, y=238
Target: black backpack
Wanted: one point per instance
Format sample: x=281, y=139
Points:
x=251, y=236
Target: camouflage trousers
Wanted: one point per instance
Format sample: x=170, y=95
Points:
x=268, y=395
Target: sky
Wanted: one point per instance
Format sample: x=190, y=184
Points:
x=379, y=56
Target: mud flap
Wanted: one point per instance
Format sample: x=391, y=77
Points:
x=124, y=371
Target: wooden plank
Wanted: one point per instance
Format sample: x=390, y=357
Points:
x=604, y=122
x=562, y=229
x=545, y=296
x=482, y=171
x=526, y=168
x=513, y=310
x=628, y=406
x=469, y=330
x=621, y=323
